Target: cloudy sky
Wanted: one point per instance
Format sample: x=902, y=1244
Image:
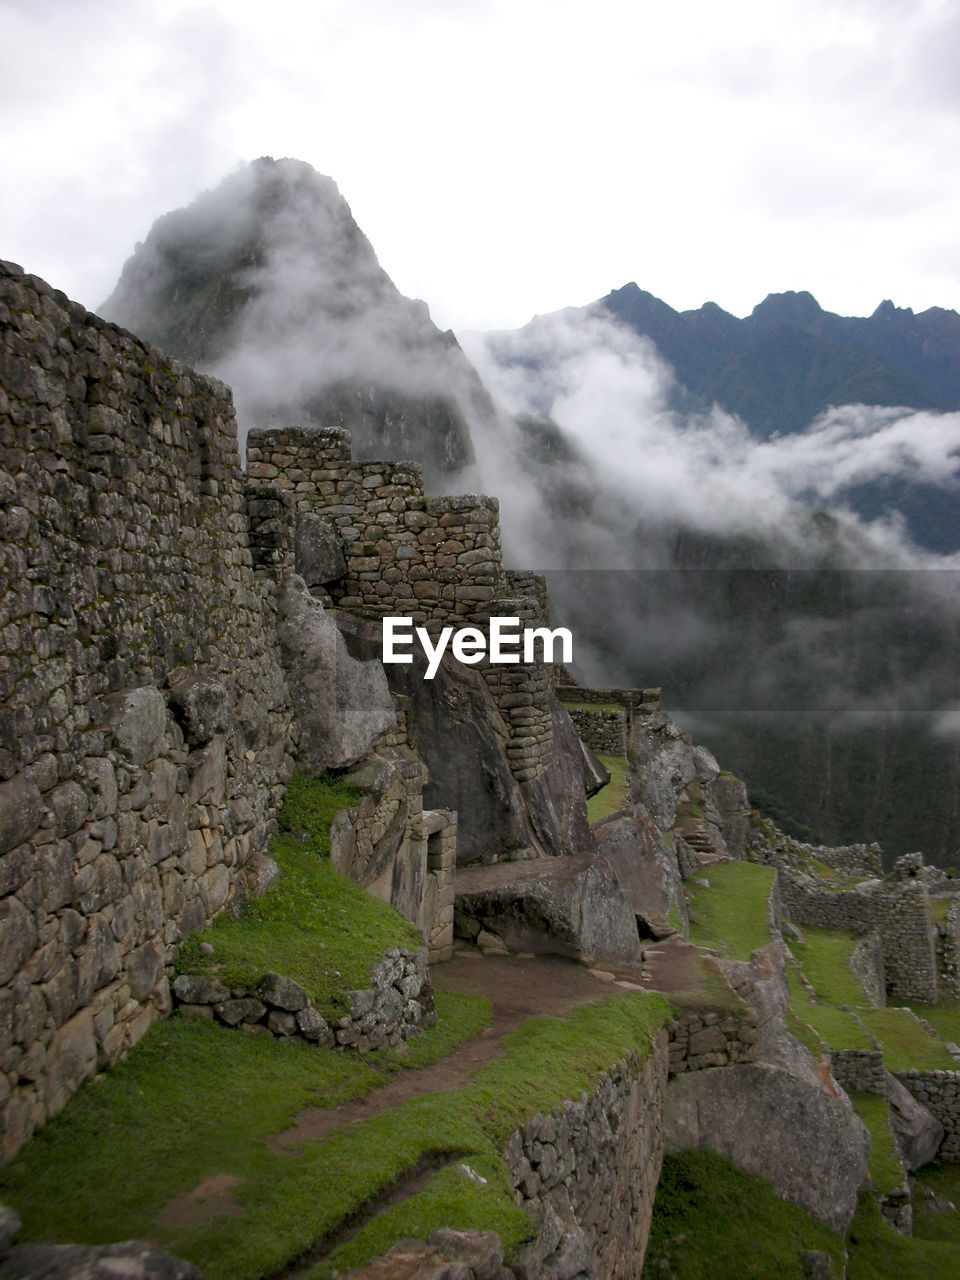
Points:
x=508, y=157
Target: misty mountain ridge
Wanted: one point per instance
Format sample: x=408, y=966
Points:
x=790, y=360
x=268, y=283
x=603, y=458
x=787, y=370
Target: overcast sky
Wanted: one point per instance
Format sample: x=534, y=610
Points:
x=509, y=157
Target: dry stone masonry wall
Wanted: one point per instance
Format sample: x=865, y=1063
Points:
x=701, y=1038
x=947, y=943
x=898, y=910
x=145, y=734
x=430, y=559
x=603, y=730
x=859, y=1070
x=588, y=1173
x=939, y=1091
x=436, y=561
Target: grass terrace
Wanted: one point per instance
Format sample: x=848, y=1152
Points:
x=314, y=926
x=193, y=1101
x=731, y=915
x=615, y=795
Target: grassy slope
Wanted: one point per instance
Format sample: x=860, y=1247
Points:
x=193, y=1100
x=315, y=926
x=615, y=795
x=711, y=1222
x=731, y=914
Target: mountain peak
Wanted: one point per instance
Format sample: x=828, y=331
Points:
x=267, y=282
x=790, y=308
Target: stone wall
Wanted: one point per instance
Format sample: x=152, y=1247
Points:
x=859, y=1070
x=947, y=944
x=909, y=955
x=939, y=1091
x=603, y=731
x=701, y=1038
x=770, y=844
x=588, y=1173
x=866, y=962
x=436, y=561
x=433, y=560
x=898, y=910
x=144, y=730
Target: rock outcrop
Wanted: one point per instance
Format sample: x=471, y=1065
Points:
x=783, y=1117
x=554, y=906
x=646, y=869
x=344, y=705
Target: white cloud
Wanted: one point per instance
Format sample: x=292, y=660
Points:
x=508, y=157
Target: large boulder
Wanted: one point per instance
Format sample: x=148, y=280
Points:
x=596, y=775
x=557, y=799
x=729, y=796
x=917, y=1132
x=456, y=728
x=131, y=1260
x=646, y=868
x=554, y=906
x=783, y=1117
x=663, y=761
x=318, y=551
x=811, y=1147
x=201, y=703
x=342, y=705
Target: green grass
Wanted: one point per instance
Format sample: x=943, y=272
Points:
x=905, y=1043
x=315, y=925
x=808, y=1036
x=713, y=1222
x=311, y=803
x=615, y=795
x=939, y=907
x=824, y=956
x=732, y=913
x=886, y=1171
x=450, y=1196
x=835, y=1027
x=877, y=1252
x=928, y=1223
x=945, y=1016
x=193, y=1100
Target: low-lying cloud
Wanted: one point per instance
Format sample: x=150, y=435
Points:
x=620, y=406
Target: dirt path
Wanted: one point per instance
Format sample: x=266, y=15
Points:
x=671, y=965
x=518, y=988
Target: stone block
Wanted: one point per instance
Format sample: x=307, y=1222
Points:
x=137, y=718
x=241, y=1009
x=21, y=811
x=282, y=993
x=18, y=936
x=72, y=1058
x=198, y=989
